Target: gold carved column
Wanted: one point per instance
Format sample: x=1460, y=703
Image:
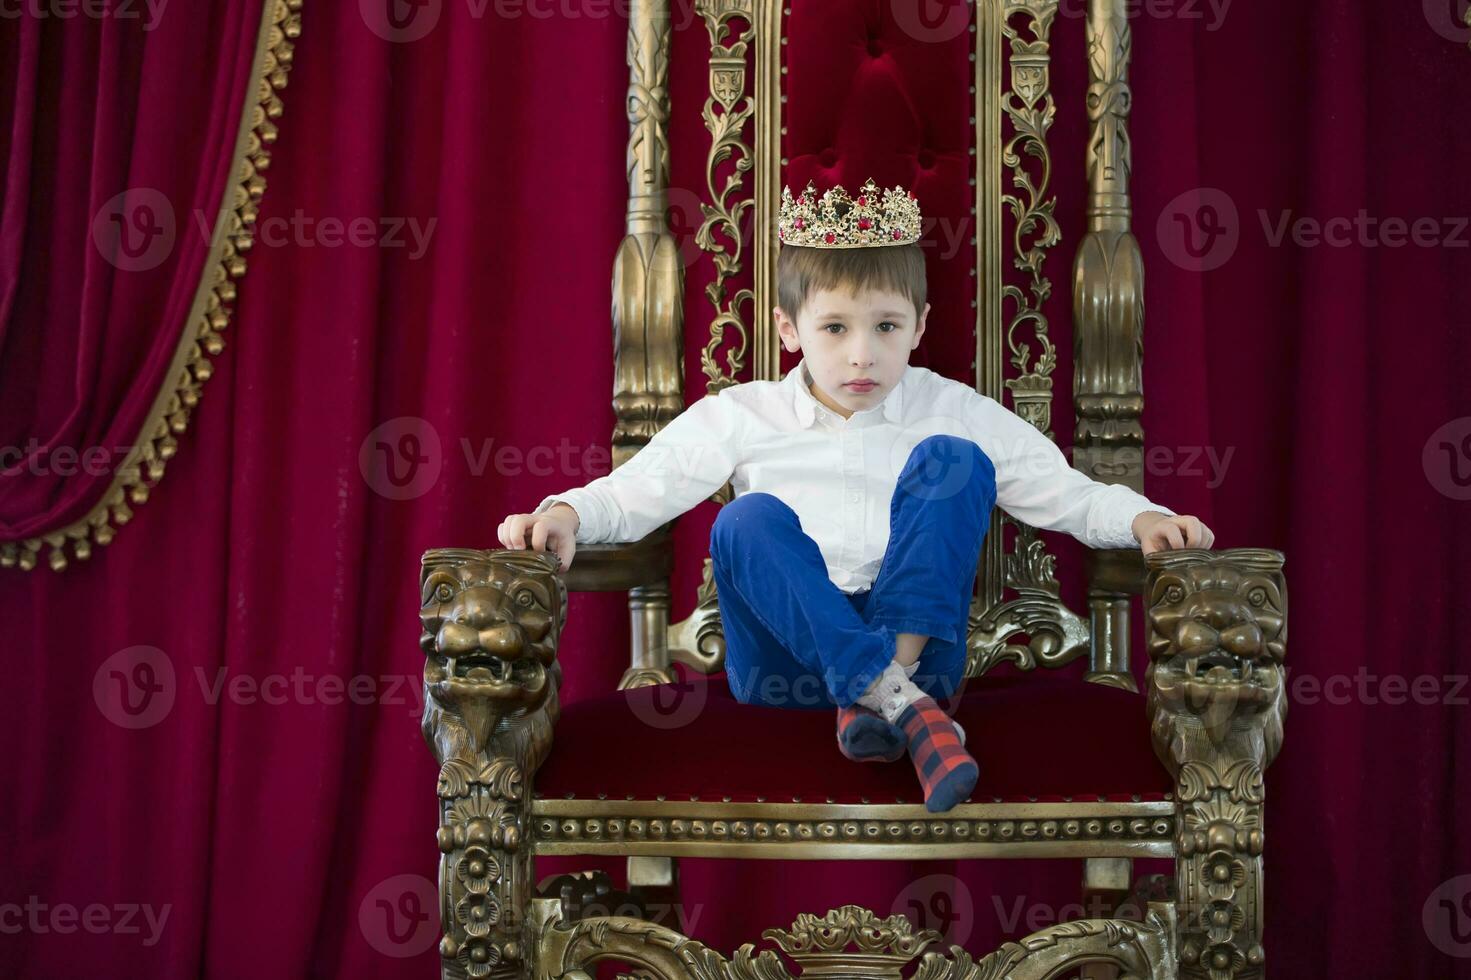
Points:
x=648, y=299
x=1108, y=345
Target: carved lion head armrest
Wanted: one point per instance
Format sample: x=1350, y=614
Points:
x=1217, y=644
x=491, y=621
x=1217, y=639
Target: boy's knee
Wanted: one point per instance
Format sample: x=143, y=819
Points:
x=943, y=466
x=748, y=514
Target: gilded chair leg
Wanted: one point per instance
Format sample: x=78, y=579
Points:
x=655, y=880
x=648, y=625
x=1105, y=884
x=590, y=893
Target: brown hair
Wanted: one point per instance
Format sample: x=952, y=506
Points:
x=802, y=271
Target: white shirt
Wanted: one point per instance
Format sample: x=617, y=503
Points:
x=838, y=474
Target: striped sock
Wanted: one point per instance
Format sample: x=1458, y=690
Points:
x=946, y=771
x=864, y=736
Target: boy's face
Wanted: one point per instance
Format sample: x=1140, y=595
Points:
x=856, y=346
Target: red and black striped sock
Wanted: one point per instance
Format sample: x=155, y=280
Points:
x=864, y=736
x=946, y=771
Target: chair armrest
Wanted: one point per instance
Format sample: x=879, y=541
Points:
x=1217, y=639
x=620, y=567
x=1118, y=570
x=490, y=623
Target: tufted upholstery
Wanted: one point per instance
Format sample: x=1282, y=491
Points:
x=875, y=96
x=692, y=738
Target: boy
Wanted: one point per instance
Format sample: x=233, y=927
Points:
x=863, y=488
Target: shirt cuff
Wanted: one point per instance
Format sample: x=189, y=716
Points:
x=1118, y=529
x=585, y=520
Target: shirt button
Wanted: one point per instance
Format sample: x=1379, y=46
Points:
x=852, y=498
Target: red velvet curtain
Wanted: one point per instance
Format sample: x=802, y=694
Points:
x=216, y=719
x=117, y=136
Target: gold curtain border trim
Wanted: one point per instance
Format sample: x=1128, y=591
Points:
x=209, y=315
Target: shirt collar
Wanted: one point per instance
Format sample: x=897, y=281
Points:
x=807, y=406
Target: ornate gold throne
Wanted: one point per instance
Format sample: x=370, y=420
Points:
x=521, y=777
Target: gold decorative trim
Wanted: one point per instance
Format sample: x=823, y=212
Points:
x=853, y=831
x=1055, y=635
x=728, y=89
x=201, y=337
x=1030, y=106
x=699, y=639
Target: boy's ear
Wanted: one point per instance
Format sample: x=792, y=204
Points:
x=786, y=329
x=919, y=327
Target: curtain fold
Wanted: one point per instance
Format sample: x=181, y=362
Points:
x=135, y=145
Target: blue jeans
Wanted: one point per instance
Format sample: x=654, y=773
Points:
x=794, y=639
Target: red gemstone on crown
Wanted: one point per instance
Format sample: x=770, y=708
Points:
x=829, y=238
x=801, y=224
x=864, y=224
x=896, y=234
x=863, y=201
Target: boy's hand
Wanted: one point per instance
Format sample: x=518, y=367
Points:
x=1161, y=532
x=553, y=529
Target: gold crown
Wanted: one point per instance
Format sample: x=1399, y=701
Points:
x=877, y=217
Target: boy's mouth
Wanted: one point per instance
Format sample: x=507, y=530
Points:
x=861, y=386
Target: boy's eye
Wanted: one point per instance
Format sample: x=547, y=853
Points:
x=888, y=327
x=834, y=328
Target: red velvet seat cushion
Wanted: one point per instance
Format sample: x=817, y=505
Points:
x=1043, y=737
